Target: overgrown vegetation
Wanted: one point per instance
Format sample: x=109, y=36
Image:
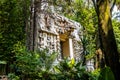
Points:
x=20, y=63
x=41, y=65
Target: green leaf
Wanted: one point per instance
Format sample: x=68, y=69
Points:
x=106, y=74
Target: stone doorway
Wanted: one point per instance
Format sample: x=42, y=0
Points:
x=65, y=48
x=66, y=45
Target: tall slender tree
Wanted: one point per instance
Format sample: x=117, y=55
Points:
x=106, y=35
x=32, y=18
x=35, y=11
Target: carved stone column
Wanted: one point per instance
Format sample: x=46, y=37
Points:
x=71, y=48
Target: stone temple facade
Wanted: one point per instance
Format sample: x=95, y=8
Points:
x=60, y=34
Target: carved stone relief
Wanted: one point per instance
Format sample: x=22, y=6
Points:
x=51, y=26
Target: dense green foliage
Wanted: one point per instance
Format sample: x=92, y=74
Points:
x=69, y=69
x=41, y=65
x=116, y=27
x=12, y=27
x=33, y=64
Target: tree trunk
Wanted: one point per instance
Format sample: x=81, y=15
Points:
x=30, y=47
x=35, y=11
x=36, y=15
x=108, y=42
x=100, y=61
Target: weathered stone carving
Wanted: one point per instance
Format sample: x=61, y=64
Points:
x=58, y=33
x=53, y=29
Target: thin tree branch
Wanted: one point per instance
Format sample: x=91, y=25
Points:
x=95, y=5
x=112, y=6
